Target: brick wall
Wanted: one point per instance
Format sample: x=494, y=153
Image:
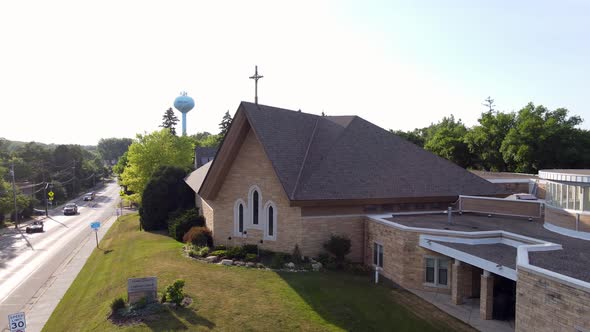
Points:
x=403, y=258
x=316, y=231
x=512, y=207
x=543, y=304
x=252, y=167
x=567, y=219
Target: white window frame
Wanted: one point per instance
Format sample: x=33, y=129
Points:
x=250, y=218
x=436, y=268
x=237, y=216
x=379, y=247
x=275, y=221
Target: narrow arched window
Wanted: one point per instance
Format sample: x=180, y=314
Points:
x=255, y=200
x=271, y=221
x=240, y=212
x=241, y=218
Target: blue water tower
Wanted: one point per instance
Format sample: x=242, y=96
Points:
x=184, y=104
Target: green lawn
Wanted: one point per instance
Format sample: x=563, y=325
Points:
x=234, y=298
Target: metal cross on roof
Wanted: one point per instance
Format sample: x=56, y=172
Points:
x=256, y=77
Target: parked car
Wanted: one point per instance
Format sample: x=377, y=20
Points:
x=70, y=208
x=89, y=196
x=36, y=226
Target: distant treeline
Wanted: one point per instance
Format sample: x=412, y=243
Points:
x=526, y=141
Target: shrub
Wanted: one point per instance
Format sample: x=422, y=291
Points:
x=220, y=247
x=180, y=222
x=220, y=253
x=251, y=258
x=250, y=248
x=296, y=255
x=236, y=252
x=117, y=304
x=203, y=251
x=198, y=236
x=278, y=260
x=338, y=246
x=174, y=292
x=165, y=192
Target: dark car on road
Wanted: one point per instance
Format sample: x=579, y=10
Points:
x=89, y=196
x=70, y=209
x=36, y=226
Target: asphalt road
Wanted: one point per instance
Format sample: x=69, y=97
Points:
x=28, y=261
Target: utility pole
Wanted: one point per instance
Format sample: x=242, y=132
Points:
x=14, y=194
x=45, y=197
x=74, y=178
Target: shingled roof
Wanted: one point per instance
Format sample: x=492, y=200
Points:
x=348, y=158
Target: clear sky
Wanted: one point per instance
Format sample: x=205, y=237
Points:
x=78, y=71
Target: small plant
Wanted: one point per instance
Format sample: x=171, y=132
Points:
x=203, y=251
x=296, y=255
x=251, y=258
x=219, y=253
x=174, y=292
x=198, y=236
x=142, y=303
x=278, y=260
x=339, y=247
x=117, y=304
x=250, y=248
x=236, y=252
x=220, y=247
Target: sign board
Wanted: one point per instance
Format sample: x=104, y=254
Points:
x=17, y=322
x=95, y=225
x=138, y=288
x=50, y=194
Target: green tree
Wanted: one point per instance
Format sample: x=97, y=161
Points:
x=151, y=151
x=541, y=138
x=113, y=148
x=447, y=139
x=169, y=121
x=224, y=125
x=415, y=136
x=485, y=140
x=165, y=193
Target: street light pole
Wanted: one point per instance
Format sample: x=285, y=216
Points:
x=14, y=194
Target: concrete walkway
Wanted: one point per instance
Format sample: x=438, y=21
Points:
x=467, y=312
x=41, y=306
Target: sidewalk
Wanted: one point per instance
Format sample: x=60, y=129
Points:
x=41, y=306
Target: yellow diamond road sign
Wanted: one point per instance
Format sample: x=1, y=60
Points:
x=50, y=194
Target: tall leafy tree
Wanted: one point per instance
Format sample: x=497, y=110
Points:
x=485, y=140
x=447, y=139
x=541, y=139
x=169, y=121
x=151, y=151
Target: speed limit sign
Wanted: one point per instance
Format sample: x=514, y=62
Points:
x=17, y=322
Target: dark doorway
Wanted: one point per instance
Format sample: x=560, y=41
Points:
x=504, y=298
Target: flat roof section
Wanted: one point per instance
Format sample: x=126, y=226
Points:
x=496, y=252
x=572, y=261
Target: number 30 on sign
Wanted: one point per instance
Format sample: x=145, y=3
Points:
x=17, y=322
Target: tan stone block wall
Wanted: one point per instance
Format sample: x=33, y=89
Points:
x=543, y=304
x=316, y=231
x=403, y=258
x=567, y=219
x=208, y=213
x=252, y=167
x=500, y=206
